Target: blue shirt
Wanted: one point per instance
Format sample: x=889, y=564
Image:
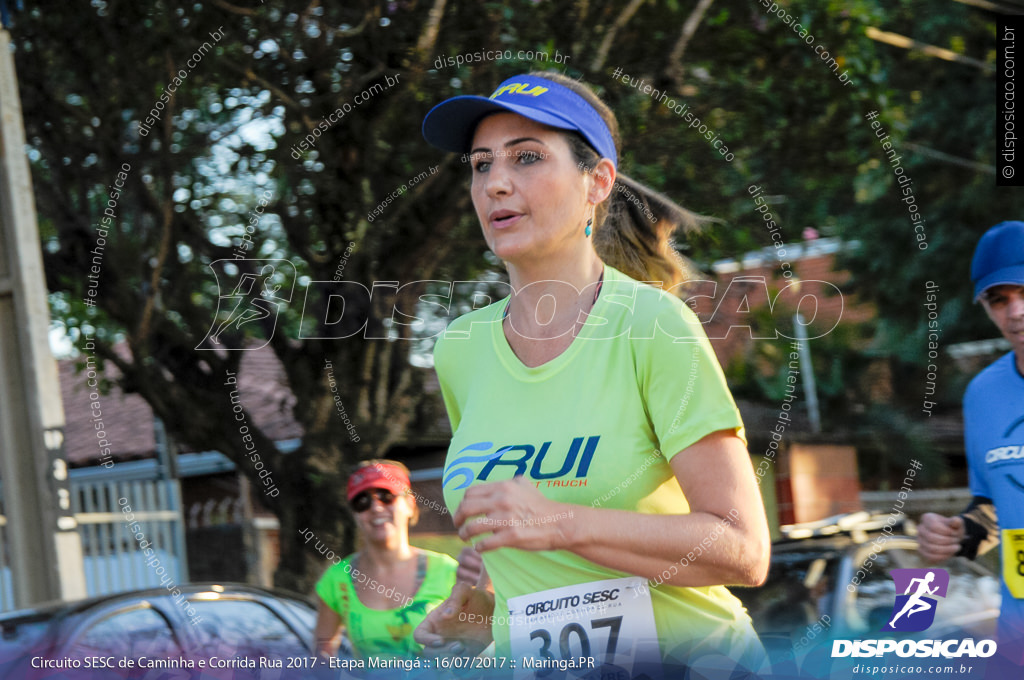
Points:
x=994, y=436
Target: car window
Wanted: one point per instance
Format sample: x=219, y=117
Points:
x=303, y=612
x=21, y=634
x=244, y=628
x=20, y=640
x=875, y=595
x=796, y=593
x=133, y=633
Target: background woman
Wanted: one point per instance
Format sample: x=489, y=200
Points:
x=381, y=593
x=598, y=460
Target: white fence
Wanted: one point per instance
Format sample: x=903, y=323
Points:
x=113, y=560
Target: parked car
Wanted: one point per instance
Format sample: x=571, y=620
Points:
x=223, y=621
x=824, y=583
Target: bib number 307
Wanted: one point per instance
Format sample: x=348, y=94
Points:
x=582, y=627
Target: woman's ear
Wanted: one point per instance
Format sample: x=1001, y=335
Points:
x=603, y=177
x=414, y=510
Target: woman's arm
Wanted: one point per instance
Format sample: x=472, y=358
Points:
x=726, y=530
x=325, y=635
x=723, y=540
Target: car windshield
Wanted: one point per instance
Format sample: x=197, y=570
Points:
x=303, y=611
x=797, y=593
x=19, y=639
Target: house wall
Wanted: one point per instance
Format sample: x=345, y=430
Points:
x=816, y=481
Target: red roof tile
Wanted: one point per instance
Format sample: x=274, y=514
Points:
x=127, y=420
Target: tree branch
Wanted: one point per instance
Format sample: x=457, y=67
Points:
x=277, y=91
x=349, y=32
x=675, y=70
x=609, y=37
x=428, y=38
x=234, y=9
x=166, y=231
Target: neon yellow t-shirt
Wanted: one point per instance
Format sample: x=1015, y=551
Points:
x=385, y=632
x=596, y=426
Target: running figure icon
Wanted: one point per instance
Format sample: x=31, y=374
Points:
x=251, y=306
x=259, y=291
x=915, y=604
x=919, y=588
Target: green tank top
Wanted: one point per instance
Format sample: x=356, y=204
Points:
x=386, y=632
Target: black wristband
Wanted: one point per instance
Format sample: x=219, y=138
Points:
x=980, y=526
x=974, y=536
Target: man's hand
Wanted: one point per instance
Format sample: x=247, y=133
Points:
x=938, y=537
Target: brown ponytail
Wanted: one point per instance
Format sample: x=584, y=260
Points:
x=633, y=227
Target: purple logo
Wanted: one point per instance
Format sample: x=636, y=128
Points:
x=914, y=610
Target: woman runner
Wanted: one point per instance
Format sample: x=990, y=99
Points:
x=598, y=461
x=381, y=593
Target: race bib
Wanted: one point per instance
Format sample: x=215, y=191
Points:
x=1013, y=561
x=582, y=627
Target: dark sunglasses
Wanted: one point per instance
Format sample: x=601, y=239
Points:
x=363, y=501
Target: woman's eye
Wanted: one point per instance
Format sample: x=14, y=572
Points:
x=528, y=157
x=481, y=165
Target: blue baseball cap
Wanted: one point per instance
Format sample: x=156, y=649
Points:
x=450, y=124
x=999, y=258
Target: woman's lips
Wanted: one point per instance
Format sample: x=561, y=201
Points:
x=504, y=222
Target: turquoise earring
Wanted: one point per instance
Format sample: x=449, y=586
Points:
x=587, y=230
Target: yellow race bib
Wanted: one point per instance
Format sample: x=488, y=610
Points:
x=1013, y=561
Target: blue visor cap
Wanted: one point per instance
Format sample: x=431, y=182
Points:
x=450, y=124
x=999, y=257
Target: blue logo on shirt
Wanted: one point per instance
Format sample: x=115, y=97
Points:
x=1009, y=453
x=451, y=472
x=526, y=458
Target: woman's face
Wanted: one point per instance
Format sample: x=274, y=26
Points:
x=382, y=522
x=530, y=198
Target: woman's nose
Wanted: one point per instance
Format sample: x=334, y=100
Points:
x=498, y=178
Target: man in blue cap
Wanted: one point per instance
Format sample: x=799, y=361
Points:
x=994, y=438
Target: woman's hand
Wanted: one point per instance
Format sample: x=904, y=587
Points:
x=516, y=515
x=461, y=625
x=471, y=567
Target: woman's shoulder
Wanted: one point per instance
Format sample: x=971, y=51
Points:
x=452, y=343
x=463, y=323
x=652, y=310
x=333, y=585
x=471, y=324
